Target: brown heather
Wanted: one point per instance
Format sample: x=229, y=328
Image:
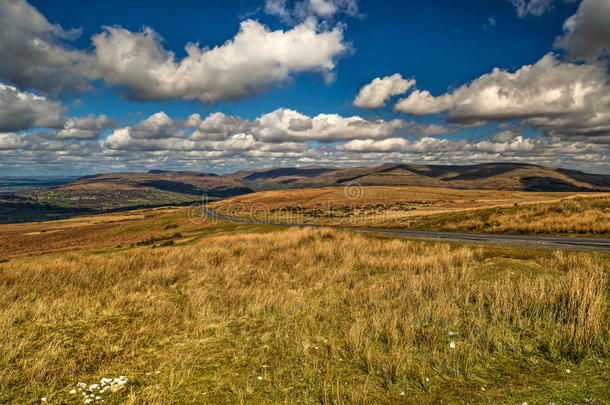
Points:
x=323, y=316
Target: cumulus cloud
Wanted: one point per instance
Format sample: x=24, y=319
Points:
x=216, y=126
x=587, y=33
x=37, y=53
x=281, y=126
x=21, y=110
x=560, y=98
x=10, y=141
x=87, y=127
x=285, y=124
x=255, y=59
x=307, y=9
x=375, y=94
x=224, y=150
x=268, y=141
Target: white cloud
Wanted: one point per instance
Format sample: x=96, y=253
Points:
x=87, y=127
x=255, y=59
x=34, y=53
x=280, y=138
x=216, y=126
x=532, y=7
x=21, y=110
x=277, y=127
x=375, y=94
x=587, y=33
x=289, y=125
x=307, y=9
x=560, y=98
x=10, y=141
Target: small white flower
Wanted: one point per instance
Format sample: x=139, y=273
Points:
x=567, y=371
x=43, y=399
x=524, y=403
x=157, y=372
x=88, y=400
x=482, y=388
x=81, y=385
x=72, y=391
x=427, y=379
x=452, y=333
x=98, y=398
x=452, y=344
x=259, y=377
x=402, y=393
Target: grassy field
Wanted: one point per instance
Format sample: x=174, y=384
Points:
x=172, y=311
x=424, y=208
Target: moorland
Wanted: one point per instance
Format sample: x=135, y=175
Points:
x=214, y=312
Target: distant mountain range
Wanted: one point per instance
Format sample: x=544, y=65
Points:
x=501, y=176
x=117, y=191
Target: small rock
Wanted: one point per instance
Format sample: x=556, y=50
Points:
x=259, y=377
x=117, y=388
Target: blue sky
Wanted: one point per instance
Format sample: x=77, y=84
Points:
x=446, y=48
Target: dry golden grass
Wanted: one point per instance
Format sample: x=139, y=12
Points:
x=322, y=316
x=425, y=208
x=422, y=198
x=104, y=231
x=571, y=216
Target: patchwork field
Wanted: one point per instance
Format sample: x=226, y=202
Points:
x=152, y=306
x=425, y=208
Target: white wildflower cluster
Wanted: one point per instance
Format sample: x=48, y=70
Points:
x=93, y=393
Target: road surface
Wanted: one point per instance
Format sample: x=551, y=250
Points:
x=554, y=242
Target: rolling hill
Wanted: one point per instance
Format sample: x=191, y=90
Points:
x=487, y=176
x=119, y=191
x=116, y=191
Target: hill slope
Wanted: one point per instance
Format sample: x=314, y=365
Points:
x=112, y=191
x=490, y=176
x=119, y=189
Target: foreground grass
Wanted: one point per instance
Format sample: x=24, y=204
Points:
x=306, y=316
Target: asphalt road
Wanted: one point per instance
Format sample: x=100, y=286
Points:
x=554, y=242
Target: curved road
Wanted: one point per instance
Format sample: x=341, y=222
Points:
x=554, y=242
